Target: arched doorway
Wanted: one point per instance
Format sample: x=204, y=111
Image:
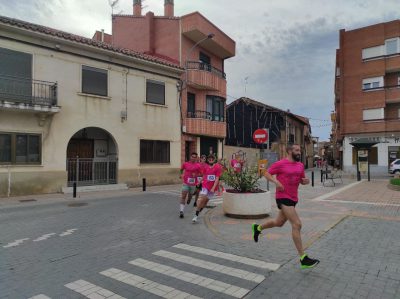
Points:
x=92, y=158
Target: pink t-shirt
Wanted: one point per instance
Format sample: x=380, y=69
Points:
x=191, y=170
x=237, y=166
x=210, y=174
x=290, y=175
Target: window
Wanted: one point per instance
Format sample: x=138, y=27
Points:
x=205, y=62
x=372, y=83
x=16, y=148
x=155, y=92
x=372, y=52
x=373, y=114
x=372, y=157
x=154, y=151
x=391, y=46
x=94, y=81
x=216, y=108
x=191, y=104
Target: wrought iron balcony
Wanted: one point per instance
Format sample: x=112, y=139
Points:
x=199, y=114
x=198, y=65
x=27, y=91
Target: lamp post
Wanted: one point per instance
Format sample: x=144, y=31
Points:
x=209, y=36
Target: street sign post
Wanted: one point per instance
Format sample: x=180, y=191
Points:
x=261, y=136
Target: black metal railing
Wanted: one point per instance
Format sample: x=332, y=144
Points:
x=205, y=115
x=199, y=114
x=89, y=172
x=198, y=65
x=28, y=91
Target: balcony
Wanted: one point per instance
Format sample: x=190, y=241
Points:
x=204, y=76
x=392, y=94
x=201, y=123
x=20, y=94
x=196, y=27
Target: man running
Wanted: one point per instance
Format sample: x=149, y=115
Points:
x=289, y=173
x=211, y=173
x=190, y=171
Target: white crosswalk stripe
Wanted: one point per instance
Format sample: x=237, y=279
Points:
x=146, y=284
x=91, y=291
x=40, y=296
x=211, y=266
x=208, y=283
x=222, y=286
x=230, y=257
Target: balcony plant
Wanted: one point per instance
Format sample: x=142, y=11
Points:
x=243, y=197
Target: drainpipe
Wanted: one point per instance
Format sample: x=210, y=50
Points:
x=9, y=182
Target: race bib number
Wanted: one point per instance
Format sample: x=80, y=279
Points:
x=237, y=165
x=211, y=178
x=191, y=180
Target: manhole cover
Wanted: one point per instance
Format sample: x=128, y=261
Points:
x=77, y=204
x=27, y=200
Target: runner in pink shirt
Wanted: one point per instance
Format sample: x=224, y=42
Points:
x=211, y=173
x=237, y=164
x=189, y=173
x=287, y=174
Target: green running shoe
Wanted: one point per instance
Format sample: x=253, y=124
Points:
x=256, y=232
x=307, y=263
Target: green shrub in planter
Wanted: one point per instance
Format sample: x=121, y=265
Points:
x=395, y=182
x=245, y=181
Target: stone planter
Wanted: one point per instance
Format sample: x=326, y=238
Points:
x=247, y=205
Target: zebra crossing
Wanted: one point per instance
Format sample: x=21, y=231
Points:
x=205, y=271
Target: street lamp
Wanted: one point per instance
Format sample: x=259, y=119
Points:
x=209, y=36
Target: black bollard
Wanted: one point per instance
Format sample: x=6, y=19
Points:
x=322, y=176
x=312, y=178
x=144, y=185
x=74, y=190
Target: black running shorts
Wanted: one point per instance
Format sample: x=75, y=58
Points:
x=286, y=202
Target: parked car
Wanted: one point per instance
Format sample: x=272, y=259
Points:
x=395, y=167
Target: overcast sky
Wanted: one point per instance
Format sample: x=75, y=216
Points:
x=286, y=48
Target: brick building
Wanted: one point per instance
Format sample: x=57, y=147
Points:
x=201, y=48
x=367, y=94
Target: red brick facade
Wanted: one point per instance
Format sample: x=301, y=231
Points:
x=179, y=40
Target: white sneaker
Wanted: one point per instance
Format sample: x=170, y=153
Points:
x=194, y=220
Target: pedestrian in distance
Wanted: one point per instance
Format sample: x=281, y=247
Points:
x=287, y=174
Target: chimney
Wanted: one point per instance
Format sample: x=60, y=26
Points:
x=102, y=35
x=169, y=8
x=137, y=8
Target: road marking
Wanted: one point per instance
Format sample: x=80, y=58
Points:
x=208, y=283
x=44, y=237
x=359, y=202
x=40, y=296
x=230, y=257
x=327, y=195
x=68, y=232
x=211, y=266
x=91, y=291
x=146, y=284
x=16, y=243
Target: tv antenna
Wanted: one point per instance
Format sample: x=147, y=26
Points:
x=113, y=3
x=245, y=84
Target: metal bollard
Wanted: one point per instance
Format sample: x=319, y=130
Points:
x=312, y=178
x=144, y=185
x=322, y=176
x=74, y=190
